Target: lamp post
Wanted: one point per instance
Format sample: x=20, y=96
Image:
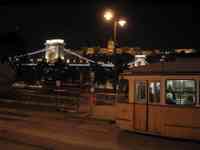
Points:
x=110, y=16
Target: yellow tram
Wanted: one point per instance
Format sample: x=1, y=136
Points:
x=161, y=99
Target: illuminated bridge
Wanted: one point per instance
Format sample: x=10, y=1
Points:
x=54, y=50
x=55, y=62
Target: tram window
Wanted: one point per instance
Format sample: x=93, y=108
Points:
x=123, y=91
x=154, y=92
x=180, y=92
x=140, y=91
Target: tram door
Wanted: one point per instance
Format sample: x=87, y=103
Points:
x=141, y=106
x=146, y=93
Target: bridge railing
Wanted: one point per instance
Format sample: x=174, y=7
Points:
x=65, y=98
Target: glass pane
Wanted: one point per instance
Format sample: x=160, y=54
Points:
x=154, y=92
x=140, y=91
x=180, y=91
x=123, y=91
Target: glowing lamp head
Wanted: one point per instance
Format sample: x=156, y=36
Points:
x=109, y=15
x=122, y=22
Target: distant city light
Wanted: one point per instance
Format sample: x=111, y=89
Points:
x=31, y=60
x=62, y=57
x=68, y=60
x=39, y=60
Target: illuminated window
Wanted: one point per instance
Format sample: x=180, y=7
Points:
x=181, y=92
x=140, y=91
x=154, y=92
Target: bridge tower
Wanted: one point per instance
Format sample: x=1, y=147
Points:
x=54, y=50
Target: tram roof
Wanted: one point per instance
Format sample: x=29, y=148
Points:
x=178, y=67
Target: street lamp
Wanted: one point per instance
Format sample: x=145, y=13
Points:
x=110, y=16
x=122, y=22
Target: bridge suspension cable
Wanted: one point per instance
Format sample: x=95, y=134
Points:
x=31, y=53
x=65, y=50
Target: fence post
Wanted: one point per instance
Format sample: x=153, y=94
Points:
x=58, y=84
x=92, y=92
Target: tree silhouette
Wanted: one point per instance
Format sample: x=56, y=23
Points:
x=42, y=70
x=59, y=69
x=120, y=61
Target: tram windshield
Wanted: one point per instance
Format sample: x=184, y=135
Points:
x=123, y=91
x=180, y=92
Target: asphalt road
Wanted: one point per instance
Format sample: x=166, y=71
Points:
x=32, y=129
x=7, y=144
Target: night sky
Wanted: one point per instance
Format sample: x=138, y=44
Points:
x=81, y=23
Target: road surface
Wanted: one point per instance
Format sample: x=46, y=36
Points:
x=34, y=130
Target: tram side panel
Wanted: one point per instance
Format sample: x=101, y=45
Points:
x=140, y=117
x=155, y=118
x=125, y=116
x=174, y=121
x=125, y=108
x=196, y=123
x=177, y=122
